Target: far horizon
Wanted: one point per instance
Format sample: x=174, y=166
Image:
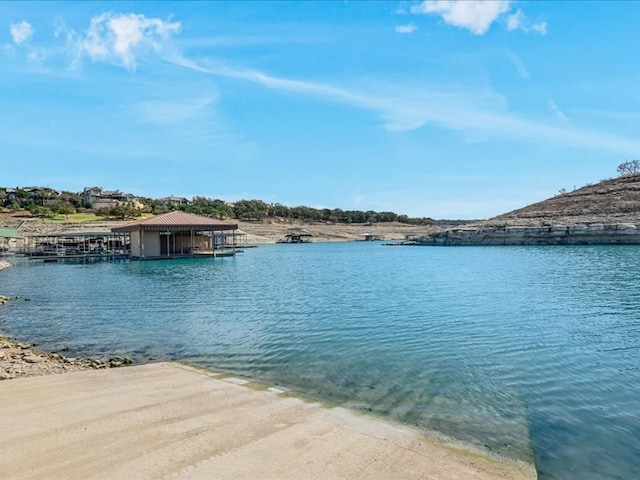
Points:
x=448, y=110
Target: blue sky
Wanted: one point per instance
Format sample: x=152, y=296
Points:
x=441, y=109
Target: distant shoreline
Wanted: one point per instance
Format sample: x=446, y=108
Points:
x=257, y=232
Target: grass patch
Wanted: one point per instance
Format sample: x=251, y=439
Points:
x=74, y=218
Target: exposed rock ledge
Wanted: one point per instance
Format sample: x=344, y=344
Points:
x=594, y=234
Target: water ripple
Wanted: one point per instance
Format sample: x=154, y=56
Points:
x=529, y=352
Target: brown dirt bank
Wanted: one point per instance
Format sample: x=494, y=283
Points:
x=270, y=232
x=257, y=232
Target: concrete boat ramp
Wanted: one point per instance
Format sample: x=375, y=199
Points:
x=168, y=420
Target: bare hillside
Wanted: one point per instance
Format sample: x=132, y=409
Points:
x=610, y=201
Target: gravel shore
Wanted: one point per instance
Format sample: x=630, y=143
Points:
x=23, y=360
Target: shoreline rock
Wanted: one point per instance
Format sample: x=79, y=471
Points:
x=22, y=360
x=579, y=234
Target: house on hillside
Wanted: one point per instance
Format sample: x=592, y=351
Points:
x=173, y=202
x=42, y=196
x=179, y=234
x=99, y=198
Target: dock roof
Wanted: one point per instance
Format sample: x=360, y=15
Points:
x=6, y=232
x=177, y=220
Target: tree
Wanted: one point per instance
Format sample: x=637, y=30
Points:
x=40, y=212
x=65, y=209
x=123, y=211
x=629, y=167
x=250, y=210
x=71, y=198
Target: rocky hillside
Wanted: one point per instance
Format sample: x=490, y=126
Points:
x=610, y=201
x=605, y=213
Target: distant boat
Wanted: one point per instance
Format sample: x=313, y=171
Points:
x=296, y=236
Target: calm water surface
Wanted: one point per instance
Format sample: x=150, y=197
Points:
x=528, y=352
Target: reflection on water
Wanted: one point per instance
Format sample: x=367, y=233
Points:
x=529, y=352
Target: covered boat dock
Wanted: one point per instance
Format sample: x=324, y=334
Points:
x=77, y=245
x=179, y=234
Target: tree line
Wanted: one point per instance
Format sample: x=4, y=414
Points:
x=44, y=203
x=258, y=210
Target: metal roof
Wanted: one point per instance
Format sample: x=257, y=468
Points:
x=177, y=220
x=72, y=234
x=8, y=232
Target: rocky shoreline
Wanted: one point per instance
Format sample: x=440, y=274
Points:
x=606, y=213
x=24, y=360
x=595, y=234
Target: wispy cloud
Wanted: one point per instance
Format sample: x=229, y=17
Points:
x=118, y=38
x=519, y=65
x=473, y=15
x=408, y=28
x=122, y=39
x=519, y=21
x=20, y=32
x=540, y=27
x=556, y=111
x=475, y=114
x=174, y=112
x=115, y=38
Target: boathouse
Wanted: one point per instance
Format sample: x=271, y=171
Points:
x=370, y=237
x=77, y=245
x=180, y=234
x=296, y=235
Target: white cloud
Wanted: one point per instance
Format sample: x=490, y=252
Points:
x=20, y=32
x=514, y=21
x=409, y=28
x=540, y=28
x=477, y=16
x=519, y=21
x=474, y=15
x=118, y=37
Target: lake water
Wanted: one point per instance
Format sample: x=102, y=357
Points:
x=527, y=352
